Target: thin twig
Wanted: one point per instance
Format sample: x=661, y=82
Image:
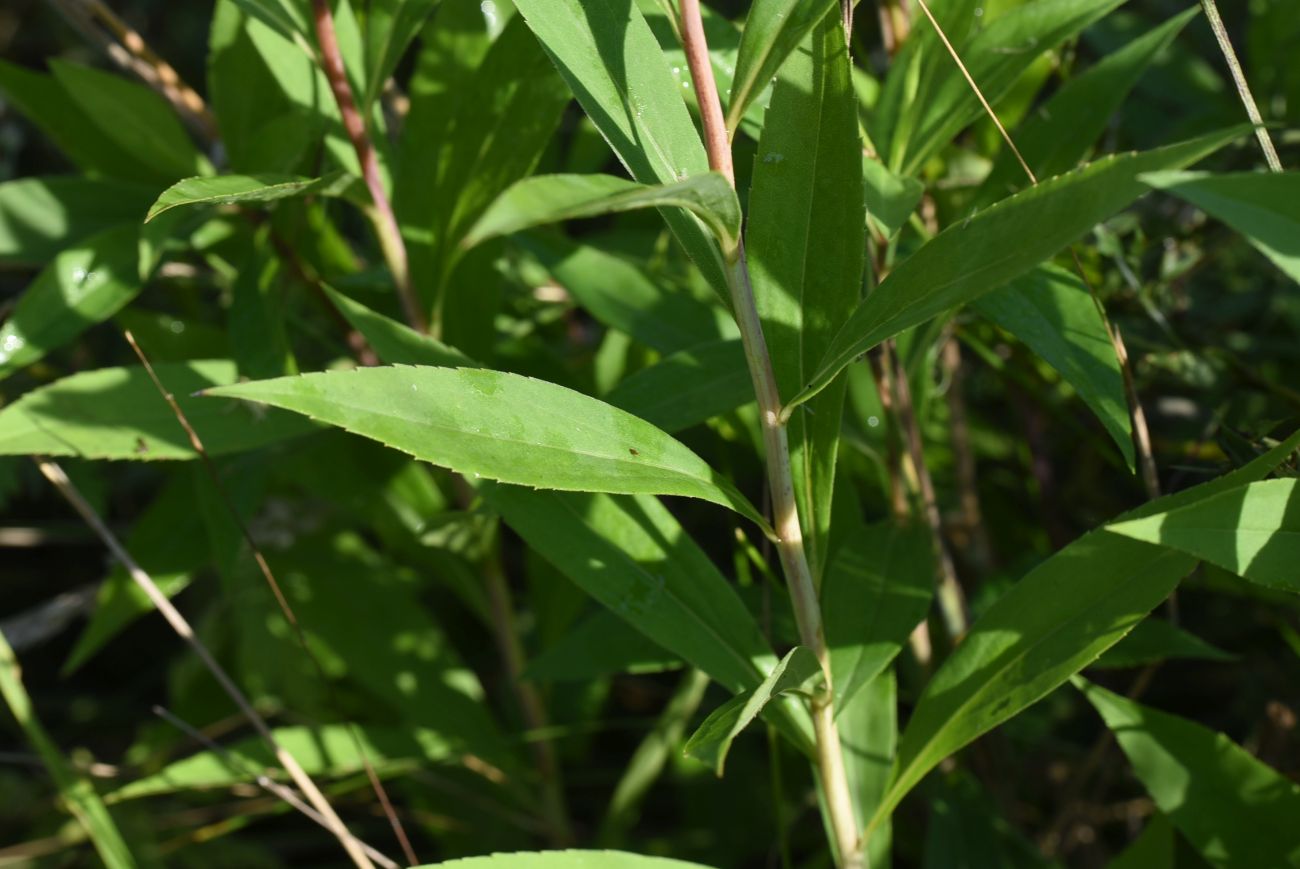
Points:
x=185, y=631
x=1243, y=88
x=286, y=610
x=382, y=216
x=262, y=780
x=785, y=513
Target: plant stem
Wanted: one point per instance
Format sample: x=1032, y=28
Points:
x=382, y=216
x=1243, y=89
x=785, y=513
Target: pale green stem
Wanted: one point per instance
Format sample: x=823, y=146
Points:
x=1243, y=89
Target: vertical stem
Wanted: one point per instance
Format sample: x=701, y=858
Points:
x=506, y=636
x=1243, y=89
x=382, y=216
x=785, y=514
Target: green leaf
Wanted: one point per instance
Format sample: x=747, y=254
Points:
x=39, y=217
x=998, y=245
x=545, y=199
x=1054, y=138
x=133, y=116
x=891, y=198
x=1236, y=810
x=608, y=55
x=391, y=26
x=688, y=388
x=76, y=792
x=232, y=189
x=877, y=589
x=501, y=426
x=711, y=743
x=283, y=16
x=567, y=860
x=600, y=647
x=1155, y=640
x=633, y=557
x=1254, y=531
x=1045, y=629
x=805, y=249
x=773, y=29
x=622, y=296
x=1264, y=207
x=326, y=751
x=868, y=727
x=117, y=413
x=1154, y=849
x=168, y=542
x=49, y=106
x=84, y=285
x=995, y=57
x=395, y=343
x=1052, y=312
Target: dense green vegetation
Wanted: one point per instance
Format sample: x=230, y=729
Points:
x=620, y=433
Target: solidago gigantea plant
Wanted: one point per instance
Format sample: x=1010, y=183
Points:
x=343, y=265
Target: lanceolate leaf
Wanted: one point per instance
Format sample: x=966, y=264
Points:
x=1155, y=640
x=501, y=426
x=396, y=343
x=711, y=743
x=1046, y=629
x=1254, y=531
x=773, y=29
x=546, y=199
x=1055, y=137
x=41, y=216
x=84, y=285
x=1236, y=810
x=1054, y=314
x=805, y=245
x=688, y=388
x=1053, y=623
x=995, y=56
x=632, y=556
x=998, y=245
x=117, y=413
x=568, y=860
x=327, y=751
x=1264, y=207
x=608, y=55
x=391, y=25
x=230, y=189
x=877, y=589
x=77, y=793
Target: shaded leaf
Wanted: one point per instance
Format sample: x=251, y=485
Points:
x=1055, y=137
x=501, y=426
x=231, y=189
x=868, y=726
x=998, y=245
x=1156, y=640
x=84, y=285
x=689, y=387
x=599, y=647
x=133, y=116
x=773, y=29
x=891, y=198
x=394, y=342
x=545, y=199
x=1264, y=207
x=711, y=743
x=632, y=556
x=39, y=217
x=1052, y=312
x=1236, y=810
x=876, y=591
x=1254, y=531
x=569, y=860
x=391, y=25
x=117, y=413
x=326, y=751
x=77, y=793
